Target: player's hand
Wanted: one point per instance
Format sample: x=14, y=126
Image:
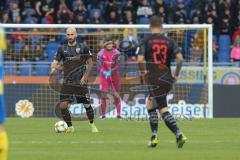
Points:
x=175, y=78
x=83, y=80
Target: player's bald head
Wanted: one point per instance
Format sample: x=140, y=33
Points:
x=71, y=34
x=71, y=30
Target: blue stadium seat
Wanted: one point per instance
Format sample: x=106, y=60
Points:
x=42, y=68
x=25, y=69
x=10, y=68
x=224, y=48
x=51, y=50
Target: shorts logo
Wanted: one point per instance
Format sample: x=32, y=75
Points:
x=78, y=50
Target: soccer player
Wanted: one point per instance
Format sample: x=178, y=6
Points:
x=67, y=53
x=3, y=134
x=155, y=53
x=109, y=75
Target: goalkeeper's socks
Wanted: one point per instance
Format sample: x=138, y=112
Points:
x=153, y=119
x=66, y=116
x=103, y=106
x=171, y=123
x=118, y=106
x=90, y=113
x=3, y=145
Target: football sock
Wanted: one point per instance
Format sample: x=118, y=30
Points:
x=171, y=123
x=103, y=106
x=153, y=119
x=66, y=116
x=118, y=106
x=90, y=113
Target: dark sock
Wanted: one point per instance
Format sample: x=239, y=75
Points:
x=66, y=116
x=90, y=113
x=171, y=123
x=153, y=119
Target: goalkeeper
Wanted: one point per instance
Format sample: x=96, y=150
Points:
x=3, y=134
x=108, y=59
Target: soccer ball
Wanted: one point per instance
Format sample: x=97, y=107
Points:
x=61, y=127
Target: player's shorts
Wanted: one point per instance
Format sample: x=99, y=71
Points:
x=112, y=83
x=74, y=98
x=159, y=95
x=2, y=111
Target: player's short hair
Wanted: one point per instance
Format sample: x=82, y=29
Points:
x=156, y=22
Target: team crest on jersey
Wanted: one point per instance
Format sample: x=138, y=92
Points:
x=78, y=50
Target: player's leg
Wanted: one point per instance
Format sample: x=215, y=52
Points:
x=3, y=143
x=89, y=110
x=3, y=134
x=116, y=86
x=104, y=88
x=65, y=100
x=170, y=120
x=103, y=105
x=153, y=120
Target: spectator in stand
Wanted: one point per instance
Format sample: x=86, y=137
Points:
x=26, y=6
x=170, y=13
x=144, y=12
x=80, y=9
x=197, y=13
x=129, y=7
x=129, y=18
x=157, y=5
x=96, y=19
x=14, y=11
x=112, y=18
x=225, y=27
x=29, y=18
x=162, y=13
x=235, y=53
x=5, y=18
x=111, y=6
x=215, y=51
x=182, y=9
x=64, y=15
x=80, y=19
x=44, y=8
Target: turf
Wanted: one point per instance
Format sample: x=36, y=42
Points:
x=35, y=139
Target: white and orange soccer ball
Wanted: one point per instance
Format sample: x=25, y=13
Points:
x=61, y=127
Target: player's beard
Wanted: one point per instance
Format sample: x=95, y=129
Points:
x=71, y=40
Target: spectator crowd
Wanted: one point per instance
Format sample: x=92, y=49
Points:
x=224, y=15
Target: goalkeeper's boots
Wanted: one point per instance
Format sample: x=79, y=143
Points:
x=93, y=128
x=153, y=142
x=181, y=139
x=70, y=129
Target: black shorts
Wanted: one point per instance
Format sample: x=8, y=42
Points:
x=159, y=95
x=75, y=98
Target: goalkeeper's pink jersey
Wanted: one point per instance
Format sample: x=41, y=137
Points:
x=109, y=69
x=109, y=60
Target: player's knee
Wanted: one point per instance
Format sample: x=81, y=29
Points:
x=150, y=105
x=87, y=105
x=64, y=105
x=163, y=110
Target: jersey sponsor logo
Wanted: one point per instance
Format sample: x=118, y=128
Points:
x=78, y=50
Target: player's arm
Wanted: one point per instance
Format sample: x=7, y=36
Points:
x=89, y=63
x=56, y=65
x=140, y=58
x=179, y=61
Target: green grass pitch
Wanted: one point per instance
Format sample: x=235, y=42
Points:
x=35, y=139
